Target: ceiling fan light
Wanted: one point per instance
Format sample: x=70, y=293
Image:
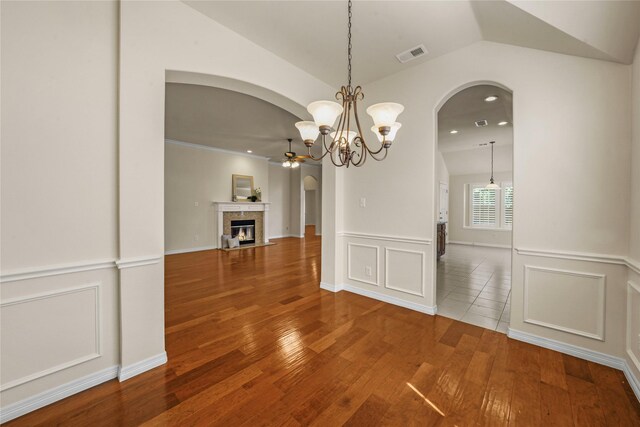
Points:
x=286, y=164
x=308, y=130
x=385, y=113
x=295, y=165
x=324, y=113
x=348, y=135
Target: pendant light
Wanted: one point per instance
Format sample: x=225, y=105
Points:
x=492, y=185
x=347, y=145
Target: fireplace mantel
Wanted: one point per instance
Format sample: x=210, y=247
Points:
x=222, y=207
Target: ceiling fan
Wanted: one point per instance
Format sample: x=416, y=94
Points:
x=291, y=160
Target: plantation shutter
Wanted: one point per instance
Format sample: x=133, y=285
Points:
x=483, y=207
x=508, y=204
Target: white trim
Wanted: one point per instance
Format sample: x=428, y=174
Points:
x=54, y=270
x=74, y=362
x=368, y=282
x=50, y=396
x=130, y=371
x=422, y=269
x=575, y=256
x=385, y=237
x=138, y=262
x=427, y=309
x=633, y=265
x=631, y=287
x=331, y=287
x=284, y=236
x=485, y=245
x=188, y=250
x=599, y=335
x=581, y=353
x=208, y=148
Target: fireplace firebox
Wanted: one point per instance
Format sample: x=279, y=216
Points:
x=244, y=230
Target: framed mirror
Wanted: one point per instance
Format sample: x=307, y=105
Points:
x=242, y=187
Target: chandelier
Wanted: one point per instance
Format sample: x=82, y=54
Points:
x=347, y=145
x=492, y=185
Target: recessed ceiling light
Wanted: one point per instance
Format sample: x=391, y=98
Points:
x=490, y=98
x=249, y=151
x=502, y=123
x=453, y=132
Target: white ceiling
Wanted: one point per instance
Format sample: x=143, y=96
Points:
x=229, y=120
x=468, y=152
x=312, y=34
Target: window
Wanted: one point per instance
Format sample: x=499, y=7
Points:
x=490, y=208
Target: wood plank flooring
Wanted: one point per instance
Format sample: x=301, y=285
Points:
x=253, y=341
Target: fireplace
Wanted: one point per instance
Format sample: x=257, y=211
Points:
x=244, y=230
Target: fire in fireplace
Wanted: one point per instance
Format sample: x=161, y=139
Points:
x=245, y=230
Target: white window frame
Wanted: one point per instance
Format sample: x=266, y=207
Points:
x=501, y=224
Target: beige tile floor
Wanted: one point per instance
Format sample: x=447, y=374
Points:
x=474, y=286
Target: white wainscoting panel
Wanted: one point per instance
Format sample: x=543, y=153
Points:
x=633, y=323
x=404, y=271
x=48, y=332
x=568, y=301
x=363, y=259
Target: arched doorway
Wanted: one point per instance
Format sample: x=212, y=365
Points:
x=474, y=222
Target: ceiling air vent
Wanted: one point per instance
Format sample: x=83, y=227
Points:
x=481, y=123
x=412, y=53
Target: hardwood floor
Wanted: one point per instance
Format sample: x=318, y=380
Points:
x=252, y=340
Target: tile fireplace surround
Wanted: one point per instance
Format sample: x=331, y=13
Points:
x=227, y=211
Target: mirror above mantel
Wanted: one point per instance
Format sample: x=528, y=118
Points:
x=242, y=188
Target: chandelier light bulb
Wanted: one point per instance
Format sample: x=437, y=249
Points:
x=390, y=136
x=385, y=113
x=324, y=113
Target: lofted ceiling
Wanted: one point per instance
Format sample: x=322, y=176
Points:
x=467, y=151
x=312, y=34
x=229, y=120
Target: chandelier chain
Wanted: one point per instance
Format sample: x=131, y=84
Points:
x=349, y=47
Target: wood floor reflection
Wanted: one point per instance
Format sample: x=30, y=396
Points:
x=252, y=340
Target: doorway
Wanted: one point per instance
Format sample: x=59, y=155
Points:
x=474, y=219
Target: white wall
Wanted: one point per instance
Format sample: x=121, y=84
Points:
x=59, y=196
x=564, y=108
x=280, y=198
x=316, y=173
x=198, y=174
x=458, y=233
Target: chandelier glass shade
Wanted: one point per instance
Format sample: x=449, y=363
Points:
x=345, y=143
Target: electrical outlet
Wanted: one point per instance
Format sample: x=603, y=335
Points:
x=196, y=204
x=367, y=271
x=363, y=202
x=196, y=237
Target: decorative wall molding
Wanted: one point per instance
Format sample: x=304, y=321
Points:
x=48, y=397
x=583, y=256
x=137, y=262
x=401, y=239
x=485, y=245
x=219, y=150
x=581, y=353
x=130, y=371
x=599, y=335
x=629, y=342
x=55, y=270
x=184, y=251
x=55, y=294
x=386, y=271
x=368, y=282
x=331, y=287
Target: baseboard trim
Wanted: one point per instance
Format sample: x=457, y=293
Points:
x=137, y=368
x=185, y=251
x=426, y=309
x=581, y=353
x=48, y=397
x=485, y=245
